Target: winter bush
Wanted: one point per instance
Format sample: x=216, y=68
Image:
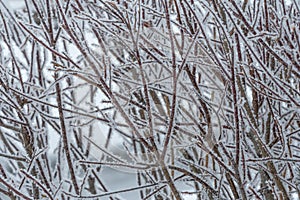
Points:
x=184, y=99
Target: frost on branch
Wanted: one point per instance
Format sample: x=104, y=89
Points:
x=186, y=99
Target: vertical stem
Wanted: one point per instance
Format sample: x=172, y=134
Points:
x=236, y=112
x=64, y=135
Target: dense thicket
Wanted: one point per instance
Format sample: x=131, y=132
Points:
x=196, y=99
